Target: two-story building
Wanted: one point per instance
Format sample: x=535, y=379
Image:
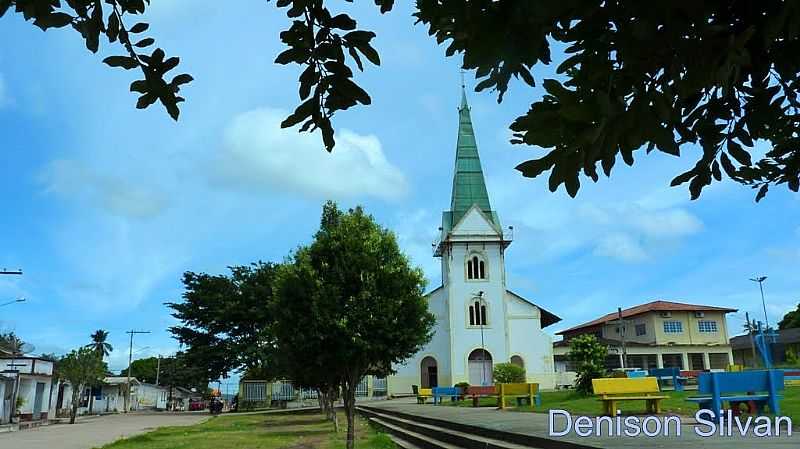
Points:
x=657, y=334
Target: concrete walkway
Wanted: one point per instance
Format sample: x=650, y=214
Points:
x=95, y=432
x=537, y=424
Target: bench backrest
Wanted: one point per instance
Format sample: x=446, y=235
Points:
x=691, y=373
x=664, y=372
x=446, y=391
x=625, y=386
x=635, y=374
x=763, y=380
x=425, y=392
x=520, y=388
x=482, y=391
x=734, y=368
x=415, y=389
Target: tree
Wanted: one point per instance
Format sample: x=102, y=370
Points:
x=143, y=370
x=507, y=373
x=638, y=76
x=590, y=357
x=225, y=320
x=99, y=343
x=10, y=343
x=790, y=320
x=353, y=294
x=81, y=368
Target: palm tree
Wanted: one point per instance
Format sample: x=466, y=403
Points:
x=99, y=343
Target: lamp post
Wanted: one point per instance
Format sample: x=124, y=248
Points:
x=760, y=280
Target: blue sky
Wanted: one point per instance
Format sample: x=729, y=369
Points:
x=104, y=206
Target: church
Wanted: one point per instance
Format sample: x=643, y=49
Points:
x=479, y=321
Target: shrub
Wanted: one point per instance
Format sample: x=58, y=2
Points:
x=590, y=356
x=462, y=385
x=508, y=373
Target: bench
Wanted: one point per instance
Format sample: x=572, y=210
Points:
x=752, y=388
x=791, y=377
x=635, y=373
x=521, y=392
x=734, y=368
x=482, y=392
x=614, y=390
x=442, y=392
x=671, y=374
x=422, y=394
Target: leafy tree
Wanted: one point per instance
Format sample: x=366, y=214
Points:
x=590, y=357
x=507, y=373
x=81, y=368
x=99, y=343
x=225, y=320
x=791, y=319
x=143, y=370
x=10, y=343
x=353, y=294
x=638, y=75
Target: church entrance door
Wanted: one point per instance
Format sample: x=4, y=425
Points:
x=480, y=367
x=429, y=373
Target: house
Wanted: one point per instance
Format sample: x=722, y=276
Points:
x=150, y=396
x=785, y=350
x=26, y=382
x=479, y=321
x=658, y=334
x=108, y=397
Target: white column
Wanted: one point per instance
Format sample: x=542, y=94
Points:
x=659, y=360
x=685, y=361
x=706, y=361
x=730, y=357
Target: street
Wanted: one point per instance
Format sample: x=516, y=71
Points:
x=95, y=432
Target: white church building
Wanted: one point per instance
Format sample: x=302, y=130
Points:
x=479, y=321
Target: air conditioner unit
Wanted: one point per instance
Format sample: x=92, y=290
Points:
x=699, y=314
x=666, y=314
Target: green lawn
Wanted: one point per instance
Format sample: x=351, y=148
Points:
x=262, y=431
x=589, y=405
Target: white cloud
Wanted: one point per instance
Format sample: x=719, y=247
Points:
x=75, y=180
x=622, y=247
x=257, y=154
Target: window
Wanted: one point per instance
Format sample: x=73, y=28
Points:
x=477, y=314
x=476, y=268
x=707, y=326
x=641, y=329
x=673, y=327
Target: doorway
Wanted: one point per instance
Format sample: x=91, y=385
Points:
x=37, y=401
x=429, y=373
x=480, y=367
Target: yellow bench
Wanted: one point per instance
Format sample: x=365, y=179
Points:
x=792, y=383
x=612, y=391
x=424, y=394
x=734, y=368
x=519, y=390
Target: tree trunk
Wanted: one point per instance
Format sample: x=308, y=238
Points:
x=332, y=410
x=76, y=395
x=350, y=411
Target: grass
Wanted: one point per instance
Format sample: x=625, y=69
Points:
x=260, y=431
x=589, y=405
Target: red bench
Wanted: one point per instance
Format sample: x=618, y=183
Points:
x=482, y=392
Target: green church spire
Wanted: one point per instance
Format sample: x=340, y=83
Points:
x=469, y=186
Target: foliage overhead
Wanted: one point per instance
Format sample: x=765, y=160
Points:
x=590, y=357
x=719, y=74
x=508, y=373
x=226, y=319
x=791, y=319
x=111, y=20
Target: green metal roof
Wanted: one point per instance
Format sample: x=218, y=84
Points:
x=469, y=186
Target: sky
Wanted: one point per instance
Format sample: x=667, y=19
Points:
x=105, y=206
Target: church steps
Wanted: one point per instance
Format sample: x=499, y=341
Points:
x=460, y=435
x=408, y=439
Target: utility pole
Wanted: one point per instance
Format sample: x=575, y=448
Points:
x=621, y=329
x=752, y=341
x=130, y=361
x=158, y=368
x=760, y=280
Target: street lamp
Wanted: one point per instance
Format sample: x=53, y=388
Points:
x=12, y=302
x=760, y=280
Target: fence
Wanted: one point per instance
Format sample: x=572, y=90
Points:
x=253, y=391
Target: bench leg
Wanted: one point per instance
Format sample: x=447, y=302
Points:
x=474, y=401
x=501, y=402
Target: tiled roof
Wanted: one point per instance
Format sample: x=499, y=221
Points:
x=654, y=306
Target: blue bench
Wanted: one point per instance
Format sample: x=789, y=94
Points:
x=753, y=388
x=664, y=374
x=636, y=374
x=443, y=392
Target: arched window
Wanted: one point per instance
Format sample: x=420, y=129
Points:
x=477, y=313
x=476, y=267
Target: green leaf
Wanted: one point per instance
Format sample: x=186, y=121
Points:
x=762, y=192
x=738, y=153
x=342, y=22
x=370, y=53
x=140, y=27
x=146, y=42
x=126, y=62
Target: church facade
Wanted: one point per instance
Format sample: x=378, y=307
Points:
x=479, y=321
